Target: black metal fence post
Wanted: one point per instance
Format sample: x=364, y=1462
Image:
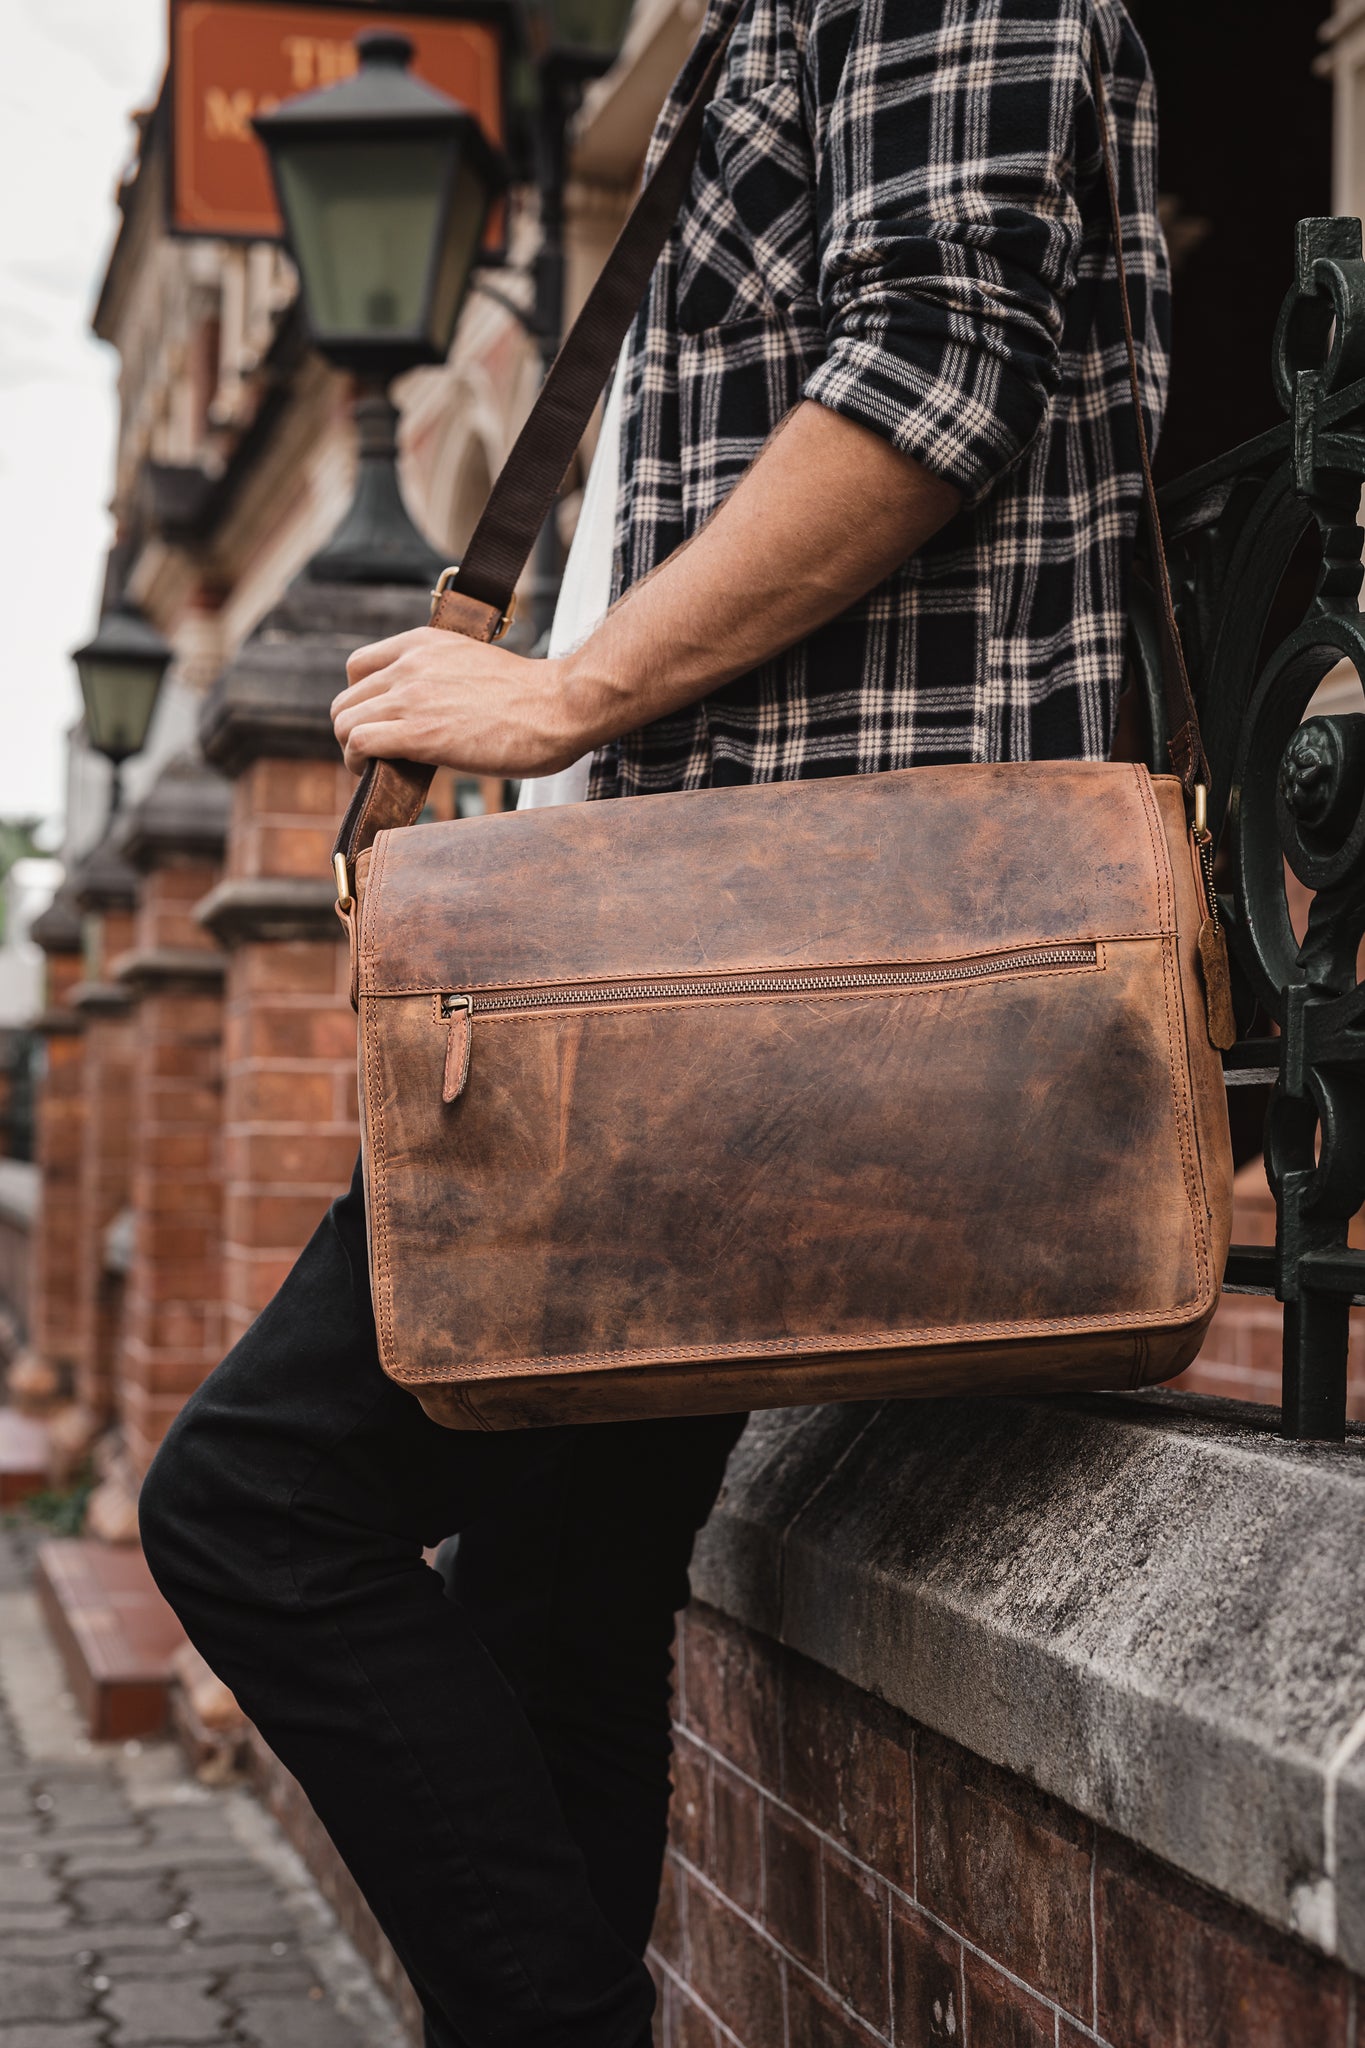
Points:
x=1290, y=790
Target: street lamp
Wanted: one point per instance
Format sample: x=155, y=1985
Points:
x=385, y=186
x=120, y=673
x=585, y=33
x=571, y=42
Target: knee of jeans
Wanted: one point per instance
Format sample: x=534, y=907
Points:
x=189, y=1509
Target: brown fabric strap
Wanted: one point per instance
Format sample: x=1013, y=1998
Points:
x=1185, y=744
x=392, y=793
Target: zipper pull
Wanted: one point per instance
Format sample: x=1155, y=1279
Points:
x=460, y=1011
x=1213, y=945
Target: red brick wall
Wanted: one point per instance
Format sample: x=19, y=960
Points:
x=60, y=1112
x=839, y=1878
x=106, y=1159
x=290, y=1123
x=173, y=1313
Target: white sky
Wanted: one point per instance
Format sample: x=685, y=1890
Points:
x=73, y=72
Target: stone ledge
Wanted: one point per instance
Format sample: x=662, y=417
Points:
x=57, y=1023
x=1150, y=1606
x=151, y=970
x=183, y=816
x=100, y=999
x=270, y=908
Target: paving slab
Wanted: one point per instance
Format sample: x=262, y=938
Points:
x=287, y=2023
x=139, y=1908
x=77, y=2034
x=43, y=1991
x=178, y=2009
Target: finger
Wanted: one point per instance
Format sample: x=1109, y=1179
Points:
x=369, y=691
x=381, y=710
x=375, y=742
x=380, y=653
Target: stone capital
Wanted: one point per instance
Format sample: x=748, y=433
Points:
x=104, y=880
x=58, y=930
x=57, y=1023
x=270, y=908
x=155, y=970
x=100, y=999
x=274, y=699
x=183, y=814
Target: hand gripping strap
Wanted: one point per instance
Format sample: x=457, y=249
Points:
x=392, y=793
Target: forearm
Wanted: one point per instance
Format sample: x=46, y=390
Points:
x=827, y=511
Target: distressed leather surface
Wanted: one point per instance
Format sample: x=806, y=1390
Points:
x=922, y=864
x=655, y=1207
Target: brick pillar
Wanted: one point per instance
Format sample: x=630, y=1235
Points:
x=289, y=1119
x=175, y=972
x=47, y=1370
x=104, y=887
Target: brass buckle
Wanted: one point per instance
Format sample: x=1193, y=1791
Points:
x=444, y=582
x=344, y=897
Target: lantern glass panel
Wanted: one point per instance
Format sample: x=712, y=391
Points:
x=464, y=232
x=596, y=25
x=119, y=697
x=364, y=222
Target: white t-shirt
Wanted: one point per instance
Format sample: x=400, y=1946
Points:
x=585, y=593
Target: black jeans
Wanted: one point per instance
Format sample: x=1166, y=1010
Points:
x=491, y=1759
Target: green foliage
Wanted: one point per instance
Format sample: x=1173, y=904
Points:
x=60, y=1513
x=17, y=842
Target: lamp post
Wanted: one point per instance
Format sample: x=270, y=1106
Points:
x=384, y=185
x=120, y=673
x=572, y=41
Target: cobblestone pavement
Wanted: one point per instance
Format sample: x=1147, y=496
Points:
x=138, y=1907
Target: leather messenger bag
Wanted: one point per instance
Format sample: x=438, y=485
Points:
x=752, y=1097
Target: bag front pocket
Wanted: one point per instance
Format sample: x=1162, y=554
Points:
x=458, y=1009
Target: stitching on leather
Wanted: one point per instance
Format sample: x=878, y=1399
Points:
x=1181, y=1085
x=1180, y=1316
x=1141, y=1348
x=379, y=1205
x=370, y=911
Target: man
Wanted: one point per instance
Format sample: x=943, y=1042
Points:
x=878, y=488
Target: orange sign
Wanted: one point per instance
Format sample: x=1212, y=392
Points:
x=231, y=59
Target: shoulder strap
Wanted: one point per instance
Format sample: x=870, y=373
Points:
x=476, y=603
x=1186, y=745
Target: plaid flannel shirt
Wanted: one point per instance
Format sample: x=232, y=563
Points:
x=898, y=210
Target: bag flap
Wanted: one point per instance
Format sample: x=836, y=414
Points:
x=924, y=864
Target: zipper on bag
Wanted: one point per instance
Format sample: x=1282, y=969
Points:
x=459, y=1009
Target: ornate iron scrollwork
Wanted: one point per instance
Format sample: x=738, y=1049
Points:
x=1290, y=791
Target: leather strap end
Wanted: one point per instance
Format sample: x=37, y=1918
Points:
x=454, y=611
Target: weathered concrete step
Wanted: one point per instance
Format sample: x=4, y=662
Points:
x=23, y=1457
x=116, y=1635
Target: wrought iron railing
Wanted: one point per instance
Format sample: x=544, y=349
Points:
x=1286, y=788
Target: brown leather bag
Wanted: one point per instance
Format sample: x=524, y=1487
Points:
x=741, y=1098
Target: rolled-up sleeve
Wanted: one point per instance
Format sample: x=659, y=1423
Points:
x=947, y=223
